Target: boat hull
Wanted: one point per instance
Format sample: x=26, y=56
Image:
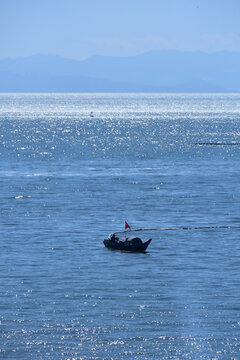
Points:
x=124, y=246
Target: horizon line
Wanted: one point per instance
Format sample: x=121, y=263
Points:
x=116, y=56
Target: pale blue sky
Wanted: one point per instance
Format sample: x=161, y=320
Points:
x=81, y=28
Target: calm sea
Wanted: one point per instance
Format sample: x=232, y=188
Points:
x=67, y=180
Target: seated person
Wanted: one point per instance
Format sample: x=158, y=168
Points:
x=112, y=237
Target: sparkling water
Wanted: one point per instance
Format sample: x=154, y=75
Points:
x=68, y=179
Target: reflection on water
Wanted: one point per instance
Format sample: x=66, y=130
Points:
x=68, y=180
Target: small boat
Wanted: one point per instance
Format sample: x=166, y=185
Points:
x=133, y=244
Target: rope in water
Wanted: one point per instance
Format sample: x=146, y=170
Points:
x=183, y=228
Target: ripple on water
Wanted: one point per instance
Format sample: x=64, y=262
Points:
x=68, y=180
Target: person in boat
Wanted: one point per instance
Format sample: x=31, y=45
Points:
x=113, y=237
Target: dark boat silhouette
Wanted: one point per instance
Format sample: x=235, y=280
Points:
x=133, y=244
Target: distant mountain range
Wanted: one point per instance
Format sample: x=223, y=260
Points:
x=155, y=71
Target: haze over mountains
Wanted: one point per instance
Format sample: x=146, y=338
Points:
x=154, y=71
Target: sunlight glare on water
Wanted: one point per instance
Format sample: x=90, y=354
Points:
x=68, y=180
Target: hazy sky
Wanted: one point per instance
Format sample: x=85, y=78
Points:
x=81, y=28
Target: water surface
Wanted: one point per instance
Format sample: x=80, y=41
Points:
x=67, y=180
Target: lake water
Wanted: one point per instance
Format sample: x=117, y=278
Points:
x=67, y=180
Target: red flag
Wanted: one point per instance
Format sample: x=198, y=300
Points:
x=127, y=226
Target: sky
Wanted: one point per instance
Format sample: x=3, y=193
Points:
x=82, y=28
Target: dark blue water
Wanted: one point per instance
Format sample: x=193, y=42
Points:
x=67, y=180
